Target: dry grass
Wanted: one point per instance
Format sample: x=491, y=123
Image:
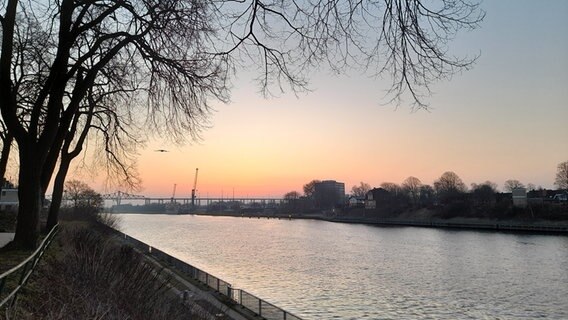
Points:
x=88, y=275
x=11, y=258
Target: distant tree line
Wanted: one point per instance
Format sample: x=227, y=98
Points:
x=447, y=197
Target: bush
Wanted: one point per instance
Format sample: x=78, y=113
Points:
x=91, y=216
x=454, y=209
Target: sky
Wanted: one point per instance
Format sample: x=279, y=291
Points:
x=504, y=119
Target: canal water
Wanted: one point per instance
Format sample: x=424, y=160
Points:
x=323, y=270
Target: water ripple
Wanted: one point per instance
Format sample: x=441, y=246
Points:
x=322, y=270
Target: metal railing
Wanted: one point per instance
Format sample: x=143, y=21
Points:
x=263, y=308
x=17, y=280
x=258, y=306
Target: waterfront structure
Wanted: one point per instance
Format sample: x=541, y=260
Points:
x=356, y=202
x=519, y=197
x=560, y=197
x=374, y=196
x=329, y=194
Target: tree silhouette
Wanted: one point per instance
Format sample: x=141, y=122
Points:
x=512, y=184
x=310, y=188
x=412, y=186
x=360, y=190
x=561, y=181
x=165, y=60
x=449, y=186
x=484, y=193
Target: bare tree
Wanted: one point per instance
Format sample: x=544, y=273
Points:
x=427, y=195
x=82, y=195
x=292, y=195
x=561, y=181
x=449, y=186
x=74, y=190
x=99, y=119
x=361, y=190
x=488, y=183
x=511, y=184
x=449, y=181
x=177, y=55
x=310, y=188
x=391, y=187
x=412, y=186
x=292, y=200
x=406, y=39
x=53, y=55
x=484, y=193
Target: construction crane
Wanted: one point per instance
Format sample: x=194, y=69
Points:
x=194, y=190
x=174, y=193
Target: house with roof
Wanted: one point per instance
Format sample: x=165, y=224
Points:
x=356, y=202
x=375, y=197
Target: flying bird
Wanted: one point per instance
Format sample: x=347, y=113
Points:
x=161, y=150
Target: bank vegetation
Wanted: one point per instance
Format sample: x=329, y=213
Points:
x=88, y=274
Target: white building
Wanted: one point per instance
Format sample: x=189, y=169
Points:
x=519, y=197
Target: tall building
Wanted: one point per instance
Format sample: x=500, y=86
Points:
x=329, y=194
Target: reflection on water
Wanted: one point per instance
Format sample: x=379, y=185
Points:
x=323, y=270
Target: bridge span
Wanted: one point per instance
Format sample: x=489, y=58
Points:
x=209, y=201
x=119, y=197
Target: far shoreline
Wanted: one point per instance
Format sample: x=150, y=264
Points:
x=533, y=227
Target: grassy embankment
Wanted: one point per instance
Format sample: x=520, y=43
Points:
x=88, y=274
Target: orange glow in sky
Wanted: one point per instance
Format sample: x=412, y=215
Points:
x=504, y=119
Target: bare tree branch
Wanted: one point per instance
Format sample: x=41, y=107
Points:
x=76, y=74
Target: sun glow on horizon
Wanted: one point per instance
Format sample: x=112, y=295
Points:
x=504, y=119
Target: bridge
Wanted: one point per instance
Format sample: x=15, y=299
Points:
x=119, y=196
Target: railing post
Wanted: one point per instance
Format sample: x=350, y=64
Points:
x=218, y=285
x=259, y=307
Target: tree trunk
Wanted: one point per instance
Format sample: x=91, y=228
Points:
x=57, y=196
x=50, y=163
x=29, y=196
